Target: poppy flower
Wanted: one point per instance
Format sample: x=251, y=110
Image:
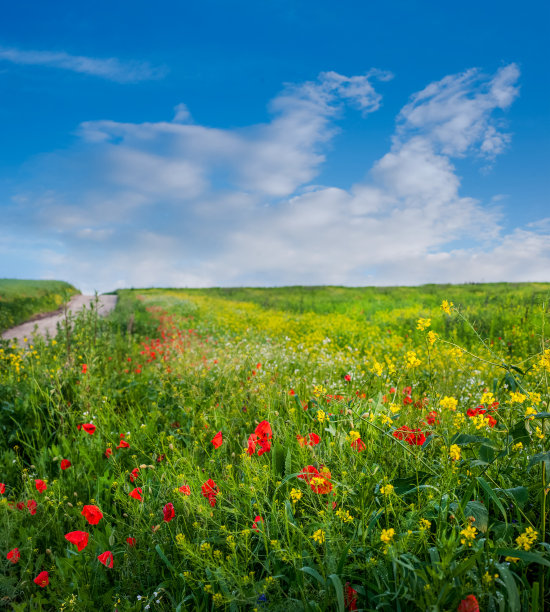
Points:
x=42, y=580
x=136, y=494
x=84, y=368
x=350, y=597
x=319, y=481
x=134, y=474
x=310, y=439
x=210, y=490
x=347, y=377
x=414, y=437
x=169, y=512
x=308, y=472
x=252, y=439
x=292, y=392
x=257, y=520
x=217, y=440
x=108, y=452
x=40, y=485
x=123, y=444
x=131, y=542
x=65, y=463
x=14, y=555
x=31, y=505
x=358, y=445
x=185, y=489
x=470, y=604
x=2, y=488
x=264, y=434
x=106, y=558
x=89, y=428
x=79, y=538
x=20, y=505
x=92, y=514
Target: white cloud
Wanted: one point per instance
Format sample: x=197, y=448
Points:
x=229, y=207
x=110, y=68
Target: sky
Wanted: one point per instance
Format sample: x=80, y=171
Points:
x=274, y=142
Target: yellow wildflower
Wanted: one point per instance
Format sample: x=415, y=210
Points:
x=321, y=416
x=386, y=489
x=319, y=536
x=517, y=397
x=469, y=534
x=448, y=403
x=454, y=452
x=432, y=337
x=527, y=538
x=423, y=324
x=387, y=535
x=446, y=306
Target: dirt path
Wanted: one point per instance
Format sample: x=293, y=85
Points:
x=48, y=324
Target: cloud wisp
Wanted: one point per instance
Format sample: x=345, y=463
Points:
x=110, y=68
x=176, y=203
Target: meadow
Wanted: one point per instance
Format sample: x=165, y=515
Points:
x=22, y=299
x=302, y=448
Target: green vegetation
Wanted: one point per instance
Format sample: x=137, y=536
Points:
x=299, y=448
x=22, y=299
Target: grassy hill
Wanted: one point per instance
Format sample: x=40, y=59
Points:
x=21, y=299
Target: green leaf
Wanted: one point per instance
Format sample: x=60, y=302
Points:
x=520, y=494
x=519, y=433
x=480, y=514
x=507, y=578
x=164, y=557
x=527, y=557
x=539, y=415
x=339, y=588
x=315, y=574
x=488, y=489
x=463, y=439
x=538, y=458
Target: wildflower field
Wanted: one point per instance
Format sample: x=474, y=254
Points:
x=281, y=449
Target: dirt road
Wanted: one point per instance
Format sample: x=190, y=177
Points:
x=48, y=325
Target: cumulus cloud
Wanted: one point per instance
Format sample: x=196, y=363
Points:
x=109, y=68
x=175, y=203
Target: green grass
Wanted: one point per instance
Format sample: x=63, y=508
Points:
x=22, y=299
x=420, y=500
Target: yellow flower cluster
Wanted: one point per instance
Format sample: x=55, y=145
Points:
x=386, y=489
x=423, y=324
x=517, y=397
x=295, y=495
x=527, y=538
x=446, y=306
x=344, y=516
x=319, y=536
x=411, y=360
x=454, y=452
x=448, y=403
x=469, y=535
x=387, y=535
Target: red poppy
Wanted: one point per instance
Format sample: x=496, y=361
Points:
x=123, y=444
x=319, y=481
x=134, y=474
x=79, y=538
x=491, y=421
x=31, y=505
x=252, y=444
x=257, y=520
x=20, y=505
x=470, y=604
x=169, y=512
x=2, y=488
x=89, y=428
x=40, y=485
x=217, y=440
x=185, y=489
x=131, y=542
x=310, y=439
x=210, y=490
x=350, y=597
x=347, y=377
x=432, y=419
x=136, y=494
x=264, y=433
x=292, y=392
x=92, y=513
x=358, y=445
x=14, y=555
x=106, y=558
x=42, y=580
x=108, y=452
x=414, y=437
x=65, y=463
x=84, y=368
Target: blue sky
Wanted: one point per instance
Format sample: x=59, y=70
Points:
x=275, y=142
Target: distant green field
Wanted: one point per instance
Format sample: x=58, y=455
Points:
x=22, y=299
